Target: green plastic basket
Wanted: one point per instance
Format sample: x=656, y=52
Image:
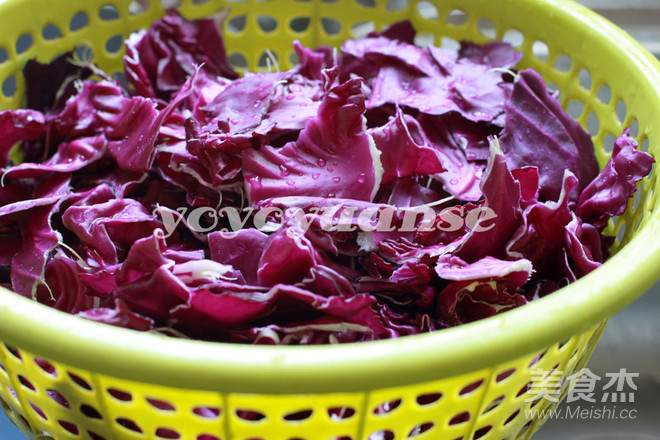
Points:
x=68, y=378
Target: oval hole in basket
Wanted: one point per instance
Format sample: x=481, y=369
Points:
x=14, y=352
x=293, y=58
x=621, y=110
x=79, y=381
x=12, y=392
x=501, y=377
x=51, y=32
x=420, y=429
x=90, y=411
x=129, y=424
x=366, y=3
x=341, y=412
x=26, y=383
x=486, y=27
x=536, y=358
x=584, y=77
x=645, y=145
x=553, y=371
x=169, y=4
x=387, y=407
x=46, y=366
x=23, y=43
x=25, y=422
x=120, y=395
x=540, y=50
x=268, y=60
x=237, y=60
x=207, y=412
x=200, y=2
x=78, y=21
x=608, y=142
x=382, y=435
x=639, y=222
x=471, y=387
x=360, y=29
x=167, y=433
x=299, y=415
x=160, y=404
x=114, y=43
x=457, y=17
x=575, y=109
x=95, y=436
x=4, y=55
x=427, y=10
x=423, y=39
x=460, y=418
x=83, y=53
x=615, y=221
x=396, y=5
x=637, y=201
x=449, y=43
x=249, y=415
x=428, y=399
x=9, y=86
x=266, y=23
x=511, y=417
x=120, y=77
x=554, y=90
x=299, y=24
x=70, y=427
x=237, y=24
x=494, y=404
x=563, y=63
x=604, y=94
x=593, y=124
x=58, y=397
x=634, y=128
x=514, y=37
x=108, y=13
x=621, y=231
x=330, y=26
x=39, y=411
x=481, y=432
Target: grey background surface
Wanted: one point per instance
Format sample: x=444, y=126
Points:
x=632, y=339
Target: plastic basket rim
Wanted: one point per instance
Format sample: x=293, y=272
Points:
x=157, y=359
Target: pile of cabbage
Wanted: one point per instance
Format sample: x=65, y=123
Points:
x=120, y=200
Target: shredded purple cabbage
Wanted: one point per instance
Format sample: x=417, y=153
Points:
x=380, y=191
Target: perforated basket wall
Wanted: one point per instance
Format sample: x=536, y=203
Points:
x=606, y=83
x=490, y=403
